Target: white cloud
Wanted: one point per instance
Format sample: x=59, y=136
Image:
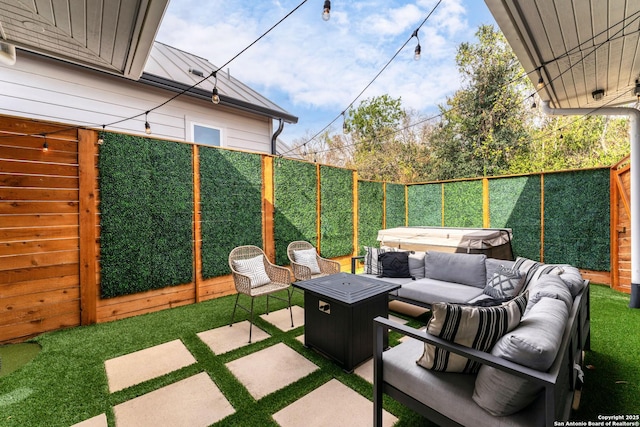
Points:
x=312, y=67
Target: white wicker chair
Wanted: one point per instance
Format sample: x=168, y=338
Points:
x=280, y=280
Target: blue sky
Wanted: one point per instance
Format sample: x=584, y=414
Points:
x=315, y=69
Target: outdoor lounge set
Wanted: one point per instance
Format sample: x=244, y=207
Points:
x=504, y=344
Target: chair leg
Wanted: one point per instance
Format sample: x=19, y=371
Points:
x=290, y=309
x=251, y=323
x=233, y=314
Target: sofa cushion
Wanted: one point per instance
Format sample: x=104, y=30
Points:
x=467, y=269
x=371, y=262
x=307, y=257
x=416, y=264
x=533, y=270
x=394, y=264
x=504, y=283
x=430, y=291
x=475, y=327
x=535, y=344
x=449, y=394
x=254, y=268
x=572, y=278
x=549, y=286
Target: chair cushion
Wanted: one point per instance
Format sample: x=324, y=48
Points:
x=474, y=327
x=307, y=257
x=467, y=269
x=505, y=282
x=535, y=344
x=394, y=264
x=550, y=286
x=254, y=268
x=371, y=262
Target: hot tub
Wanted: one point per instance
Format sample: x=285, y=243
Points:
x=493, y=242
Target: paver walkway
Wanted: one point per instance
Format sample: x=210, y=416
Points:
x=197, y=401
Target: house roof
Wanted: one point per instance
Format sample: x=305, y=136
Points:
x=576, y=46
x=114, y=37
x=174, y=69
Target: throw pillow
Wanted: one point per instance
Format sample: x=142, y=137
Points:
x=534, y=344
x=394, y=264
x=254, y=268
x=504, y=283
x=307, y=257
x=475, y=327
x=371, y=262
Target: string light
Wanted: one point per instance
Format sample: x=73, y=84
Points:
x=147, y=127
x=418, y=50
x=533, y=103
x=540, y=84
x=101, y=136
x=344, y=124
x=326, y=10
x=215, y=97
x=45, y=146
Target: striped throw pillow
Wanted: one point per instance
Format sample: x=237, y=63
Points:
x=471, y=326
x=372, y=264
x=254, y=268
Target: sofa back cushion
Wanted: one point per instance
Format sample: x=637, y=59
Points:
x=471, y=326
x=534, y=344
x=416, y=264
x=467, y=269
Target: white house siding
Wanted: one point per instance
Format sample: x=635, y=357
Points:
x=40, y=88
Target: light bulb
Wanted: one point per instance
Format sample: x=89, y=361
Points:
x=215, y=98
x=326, y=11
x=540, y=83
x=417, y=52
x=45, y=147
x=147, y=128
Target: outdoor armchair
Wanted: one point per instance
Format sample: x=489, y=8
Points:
x=254, y=275
x=307, y=264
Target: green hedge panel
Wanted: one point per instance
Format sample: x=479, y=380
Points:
x=514, y=203
x=146, y=206
x=576, y=219
x=296, y=205
x=336, y=211
x=370, y=213
x=463, y=204
x=395, y=206
x=230, y=205
x=425, y=205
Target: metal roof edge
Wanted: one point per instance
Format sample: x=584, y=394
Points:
x=196, y=92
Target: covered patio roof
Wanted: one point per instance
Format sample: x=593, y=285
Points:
x=586, y=56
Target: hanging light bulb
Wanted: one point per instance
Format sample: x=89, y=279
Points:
x=147, y=127
x=418, y=50
x=533, y=103
x=101, y=136
x=344, y=124
x=540, y=84
x=215, y=97
x=326, y=11
x=45, y=146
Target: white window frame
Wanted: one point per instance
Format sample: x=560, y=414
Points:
x=192, y=132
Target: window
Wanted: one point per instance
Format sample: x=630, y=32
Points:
x=206, y=135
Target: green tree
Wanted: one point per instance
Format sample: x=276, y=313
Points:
x=483, y=125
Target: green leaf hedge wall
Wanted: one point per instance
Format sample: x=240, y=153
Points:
x=395, y=205
x=296, y=203
x=425, y=205
x=370, y=214
x=230, y=204
x=576, y=219
x=514, y=203
x=336, y=211
x=463, y=204
x=146, y=207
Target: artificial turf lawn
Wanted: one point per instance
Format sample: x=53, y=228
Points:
x=66, y=382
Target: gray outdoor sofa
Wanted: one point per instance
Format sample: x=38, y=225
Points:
x=530, y=375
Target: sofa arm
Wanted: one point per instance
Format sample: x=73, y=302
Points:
x=353, y=263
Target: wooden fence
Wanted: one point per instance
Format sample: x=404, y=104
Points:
x=50, y=234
